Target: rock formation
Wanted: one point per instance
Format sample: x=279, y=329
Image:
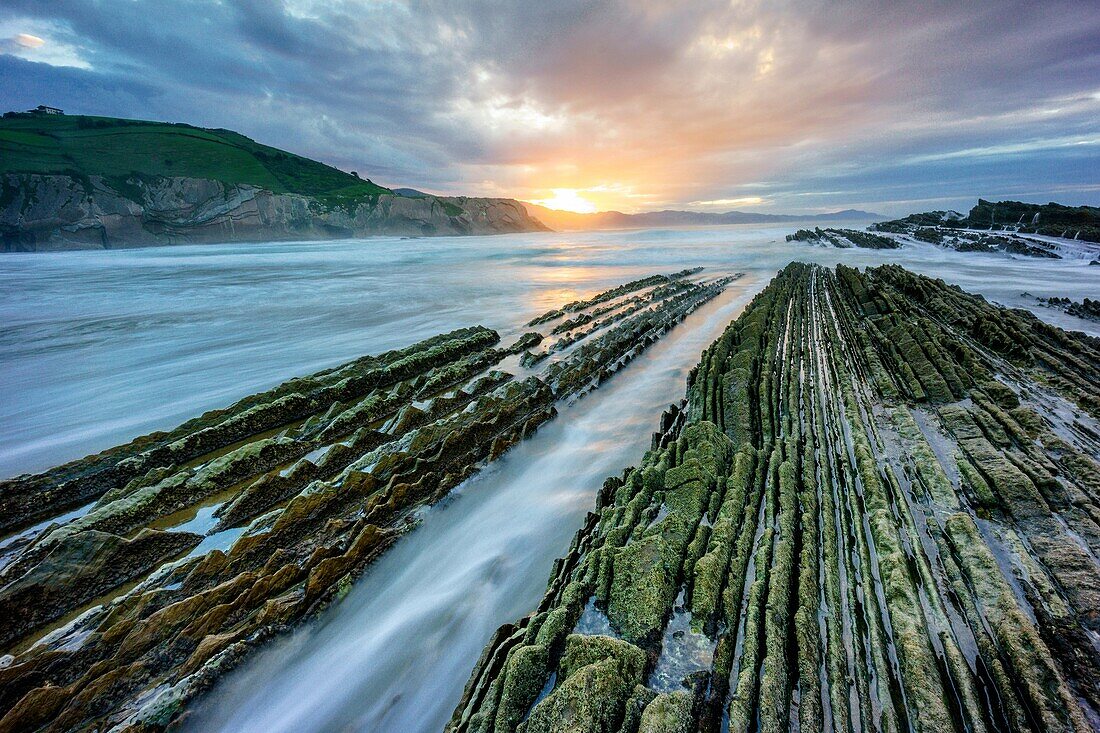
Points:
x=877, y=509
x=896, y=233
x=51, y=212
x=843, y=238
x=959, y=240
x=1087, y=309
x=177, y=553
x=1079, y=226
x=1054, y=220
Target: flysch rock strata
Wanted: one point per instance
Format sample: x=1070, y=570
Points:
x=41, y=212
x=131, y=580
x=878, y=509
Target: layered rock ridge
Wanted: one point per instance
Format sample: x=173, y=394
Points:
x=1050, y=231
x=878, y=509
x=1055, y=220
x=155, y=566
x=52, y=212
x=843, y=238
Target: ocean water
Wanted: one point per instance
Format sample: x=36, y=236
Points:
x=98, y=347
x=395, y=653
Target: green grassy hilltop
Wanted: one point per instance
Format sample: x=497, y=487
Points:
x=77, y=182
x=122, y=150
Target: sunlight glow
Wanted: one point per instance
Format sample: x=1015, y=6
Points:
x=742, y=201
x=26, y=40
x=567, y=199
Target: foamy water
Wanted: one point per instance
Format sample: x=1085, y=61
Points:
x=394, y=655
x=98, y=347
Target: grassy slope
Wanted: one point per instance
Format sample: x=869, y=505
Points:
x=121, y=150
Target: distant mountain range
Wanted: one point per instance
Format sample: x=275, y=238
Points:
x=76, y=182
x=568, y=220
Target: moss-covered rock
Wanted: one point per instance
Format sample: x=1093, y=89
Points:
x=597, y=677
x=853, y=554
x=309, y=483
x=669, y=712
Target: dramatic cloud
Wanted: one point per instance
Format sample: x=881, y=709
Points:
x=637, y=104
x=26, y=40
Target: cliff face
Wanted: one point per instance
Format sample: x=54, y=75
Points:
x=1053, y=220
x=55, y=212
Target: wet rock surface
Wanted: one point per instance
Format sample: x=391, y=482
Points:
x=1087, y=308
x=133, y=579
x=876, y=510
x=1054, y=220
x=961, y=241
x=843, y=238
x=1050, y=231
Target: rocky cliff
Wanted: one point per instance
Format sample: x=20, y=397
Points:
x=1080, y=223
x=54, y=212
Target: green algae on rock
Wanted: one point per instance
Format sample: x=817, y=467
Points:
x=1052, y=220
x=968, y=241
x=193, y=546
x=843, y=238
x=879, y=506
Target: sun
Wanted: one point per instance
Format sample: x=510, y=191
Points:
x=567, y=199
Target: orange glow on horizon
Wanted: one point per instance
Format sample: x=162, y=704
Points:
x=567, y=199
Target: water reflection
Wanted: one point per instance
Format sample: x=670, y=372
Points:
x=101, y=346
x=98, y=347
x=395, y=653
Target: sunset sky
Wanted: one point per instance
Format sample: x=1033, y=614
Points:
x=761, y=106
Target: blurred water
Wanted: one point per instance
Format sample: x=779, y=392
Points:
x=98, y=347
x=395, y=653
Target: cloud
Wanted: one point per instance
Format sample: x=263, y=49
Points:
x=639, y=103
x=26, y=40
x=38, y=41
x=741, y=201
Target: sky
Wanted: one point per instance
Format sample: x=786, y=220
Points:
x=638, y=105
